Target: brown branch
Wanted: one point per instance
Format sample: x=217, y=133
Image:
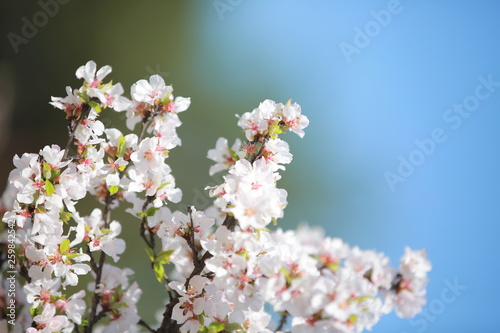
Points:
x=24, y=273
x=191, y=241
x=92, y=261
x=97, y=297
x=150, y=243
x=261, y=149
x=73, y=125
x=168, y=325
x=143, y=233
x=147, y=120
x=93, y=318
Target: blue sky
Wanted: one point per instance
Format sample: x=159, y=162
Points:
x=368, y=110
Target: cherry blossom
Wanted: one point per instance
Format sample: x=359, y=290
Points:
x=88, y=73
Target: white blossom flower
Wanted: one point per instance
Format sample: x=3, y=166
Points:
x=149, y=91
x=223, y=155
x=88, y=73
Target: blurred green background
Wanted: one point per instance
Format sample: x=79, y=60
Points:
x=366, y=110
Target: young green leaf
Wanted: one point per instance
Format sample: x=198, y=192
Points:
x=47, y=171
x=65, y=216
x=113, y=189
x=216, y=327
x=159, y=272
x=49, y=188
x=233, y=327
x=163, y=257
x=95, y=106
x=122, y=146
x=234, y=155
x=151, y=211
x=64, y=246
x=151, y=254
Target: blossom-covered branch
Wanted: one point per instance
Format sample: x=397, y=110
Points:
x=219, y=270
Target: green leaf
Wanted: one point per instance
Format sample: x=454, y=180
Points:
x=113, y=189
x=151, y=254
x=275, y=129
x=244, y=254
x=159, y=272
x=234, y=155
x=96, y=106
x=106, y=86
x=32, y=311
x=55, y=173
x=47, y=171
x=73, y=255
x=85, y=322
x=120, y=305
x=64, y=246
x=105, y=231
x=49, y=187
x=84, y=97
x=151, y=211
x=333, y=266
x=122, y=146
x=41, y=209
x=362, y=298
x=286, y=274
x=163, y=257
x=65, y=216
x=216, y=327
x=162, y=185
x=233, y=327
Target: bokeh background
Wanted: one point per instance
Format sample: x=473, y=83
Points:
x=373, y=77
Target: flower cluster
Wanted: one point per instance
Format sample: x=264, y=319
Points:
x=222, y=269
x=249, y=191
x=56, y=244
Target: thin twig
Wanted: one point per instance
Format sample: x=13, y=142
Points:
x=283, y=319
x=73, y=125
x=262, y=146
x=146, y=326
x=143, y=129
x=192, y=241
x=92, y=261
